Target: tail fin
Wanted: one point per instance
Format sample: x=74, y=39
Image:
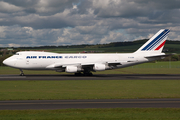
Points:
x=156, y=43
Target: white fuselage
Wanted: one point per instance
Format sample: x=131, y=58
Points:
x=44, y=60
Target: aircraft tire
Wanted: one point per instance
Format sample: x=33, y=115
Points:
x=78, y=74
x=22, y=74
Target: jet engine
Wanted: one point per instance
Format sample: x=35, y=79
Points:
x=99, y=67
x=71, y=69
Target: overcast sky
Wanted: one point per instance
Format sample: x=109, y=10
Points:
x=67, y=22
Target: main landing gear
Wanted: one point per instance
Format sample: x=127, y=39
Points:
x=21, y=72
x=85, y=73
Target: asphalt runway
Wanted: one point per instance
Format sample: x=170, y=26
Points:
x=65, y=104
x=94, y=77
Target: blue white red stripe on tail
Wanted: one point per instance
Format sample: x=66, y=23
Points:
x=158, y=42
x=160, y=46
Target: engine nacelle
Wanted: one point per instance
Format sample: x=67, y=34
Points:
x=71, y=69
x=99, y=67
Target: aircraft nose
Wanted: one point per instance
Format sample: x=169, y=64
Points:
x=6, y=62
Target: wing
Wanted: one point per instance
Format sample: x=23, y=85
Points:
x=85, y=66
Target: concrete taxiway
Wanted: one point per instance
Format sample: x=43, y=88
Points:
x=65, y=104
x=94, y=77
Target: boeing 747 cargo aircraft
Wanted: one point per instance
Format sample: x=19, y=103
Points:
x=87, y=63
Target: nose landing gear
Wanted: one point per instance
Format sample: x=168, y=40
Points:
x=21, y=72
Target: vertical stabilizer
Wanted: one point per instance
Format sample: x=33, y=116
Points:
x=156, y=43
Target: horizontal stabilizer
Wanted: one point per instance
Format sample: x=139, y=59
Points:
x=162, y=55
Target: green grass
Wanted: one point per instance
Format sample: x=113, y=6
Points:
x=93, y=114
x=9, y=71
x=93, y=89
x=89, y=89
x=173, y=46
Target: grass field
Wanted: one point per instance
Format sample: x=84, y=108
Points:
x=93, y=114
x=89, y=89
x=94, y=89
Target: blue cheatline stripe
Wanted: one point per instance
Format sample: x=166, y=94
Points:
x=158, y=41
x=162, y=34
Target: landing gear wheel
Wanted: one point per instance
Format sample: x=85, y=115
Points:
x=87, y=73
x=78, y=74
x=21, y=73
x=90, y=74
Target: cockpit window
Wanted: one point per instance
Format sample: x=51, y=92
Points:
x=17, y=54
